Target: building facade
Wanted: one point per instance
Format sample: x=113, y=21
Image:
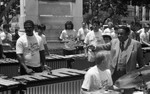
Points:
x=138, y=13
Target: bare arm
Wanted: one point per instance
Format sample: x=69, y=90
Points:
x=22, y=63
x=46, y=49
x=42, y=57
x=85, y=49
x=144, y=42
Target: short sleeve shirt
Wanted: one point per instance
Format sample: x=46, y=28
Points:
x=94, y=38
x=82, y=33
x=69, y=36
x=96, y=79
x=44, y=39
x=144, y=36
x=30, y=46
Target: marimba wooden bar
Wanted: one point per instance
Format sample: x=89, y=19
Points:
x=8, y=86
x=61, y=81
x=10, y=66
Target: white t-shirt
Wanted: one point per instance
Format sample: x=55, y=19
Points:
x=30, y=46
x=69, y=36
x=44, y=39
x=144, y=36
x=96, y=79
x=82, y=33
x=94, y=38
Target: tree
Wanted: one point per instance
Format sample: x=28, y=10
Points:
x=104, y=9
x=8, y=9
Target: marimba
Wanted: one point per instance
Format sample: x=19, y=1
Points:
x=9, y=67
x=61, y=81
x=59, y=61
x=8, y=86
x=56, y=61
x=80, y=61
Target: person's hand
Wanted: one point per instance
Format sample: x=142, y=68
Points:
x=91, y=47
x=29, y=71
x=115, y=87
x=47, y=68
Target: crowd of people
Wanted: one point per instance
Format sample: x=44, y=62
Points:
x=111, y=51
x=125, y=53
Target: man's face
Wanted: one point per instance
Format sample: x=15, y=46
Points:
x=122, y=35
x=29, y=29
x=95, y=27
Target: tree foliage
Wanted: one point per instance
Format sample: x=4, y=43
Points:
x=104, y=9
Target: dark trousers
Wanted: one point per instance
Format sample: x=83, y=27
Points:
x=116, y=75
x=22, y=71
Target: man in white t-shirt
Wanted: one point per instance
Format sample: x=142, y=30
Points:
x=144, y=35
x=94, y=37
x=97, y=77
x=82, y=32
x=30, y=50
